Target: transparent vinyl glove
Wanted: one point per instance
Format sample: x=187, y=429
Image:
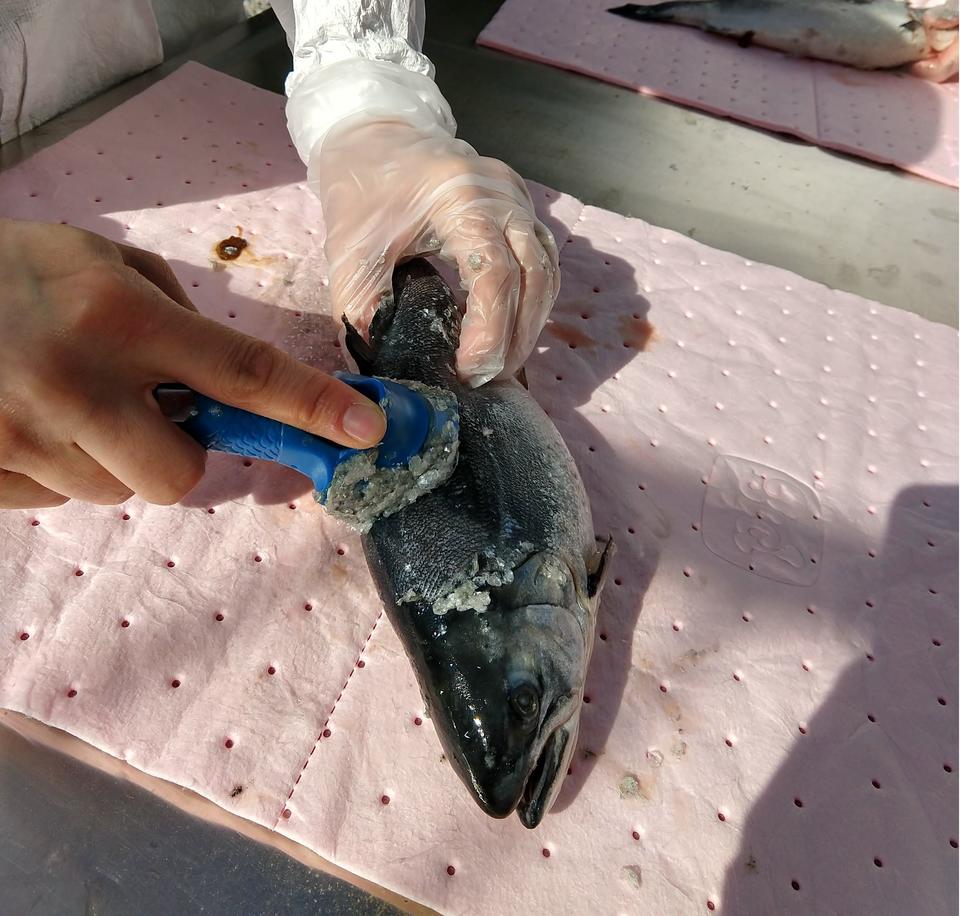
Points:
x=391, y=189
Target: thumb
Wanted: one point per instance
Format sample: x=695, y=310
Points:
x=251, y=374
x=359, y=280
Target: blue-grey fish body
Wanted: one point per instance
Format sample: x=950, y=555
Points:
x=867, y=34
x=492, y=580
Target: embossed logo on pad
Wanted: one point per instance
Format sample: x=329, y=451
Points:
x=763, y=520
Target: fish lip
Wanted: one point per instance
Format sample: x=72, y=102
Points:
x=545, y=778
x=490, y=810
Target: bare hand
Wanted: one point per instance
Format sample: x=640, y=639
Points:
x=89, y=329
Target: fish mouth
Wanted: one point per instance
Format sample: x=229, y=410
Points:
x=546, y=777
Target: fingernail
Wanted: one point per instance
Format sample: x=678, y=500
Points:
x=365, y=422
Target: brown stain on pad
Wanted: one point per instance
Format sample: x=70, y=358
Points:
x=237, y=248
x=570, y=335
x=231, y=248
x=637, y=332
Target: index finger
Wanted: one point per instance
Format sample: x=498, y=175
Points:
x=491, y=276
x=251, y=374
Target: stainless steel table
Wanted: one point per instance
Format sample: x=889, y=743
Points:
x=83, y=833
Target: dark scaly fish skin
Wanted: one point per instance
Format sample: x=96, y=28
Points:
x=867, y=34
x=503, y=685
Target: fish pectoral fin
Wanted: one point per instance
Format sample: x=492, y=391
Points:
x=598, y=568
x=361, y=351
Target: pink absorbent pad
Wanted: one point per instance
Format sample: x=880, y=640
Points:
x=890, y=117
x=770, y=721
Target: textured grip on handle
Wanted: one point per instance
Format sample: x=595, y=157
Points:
x=229, y=429
x=223, y=428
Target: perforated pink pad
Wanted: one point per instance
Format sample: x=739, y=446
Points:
x=890, y=117
x=771, y=725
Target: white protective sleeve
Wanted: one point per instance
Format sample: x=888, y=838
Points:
x=55, y=54
x=353, y=56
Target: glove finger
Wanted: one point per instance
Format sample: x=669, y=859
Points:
x=491, y=276
x=940, y=17
x=357, y=284
x=939, y=68
x=538, y=288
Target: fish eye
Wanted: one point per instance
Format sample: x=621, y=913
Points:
x=525, y=701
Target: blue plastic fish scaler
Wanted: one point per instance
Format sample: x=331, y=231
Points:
x=418, y=451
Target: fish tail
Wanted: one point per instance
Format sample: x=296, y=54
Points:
x=411, y=271
x=416, y=331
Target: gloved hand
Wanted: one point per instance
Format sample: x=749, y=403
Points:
x=940, y=27
x=90, y=328
x=391, y=189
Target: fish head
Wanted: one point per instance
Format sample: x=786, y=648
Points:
x=507, y=701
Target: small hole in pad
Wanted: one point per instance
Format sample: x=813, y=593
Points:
x=71, y=693
x=175, y=683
